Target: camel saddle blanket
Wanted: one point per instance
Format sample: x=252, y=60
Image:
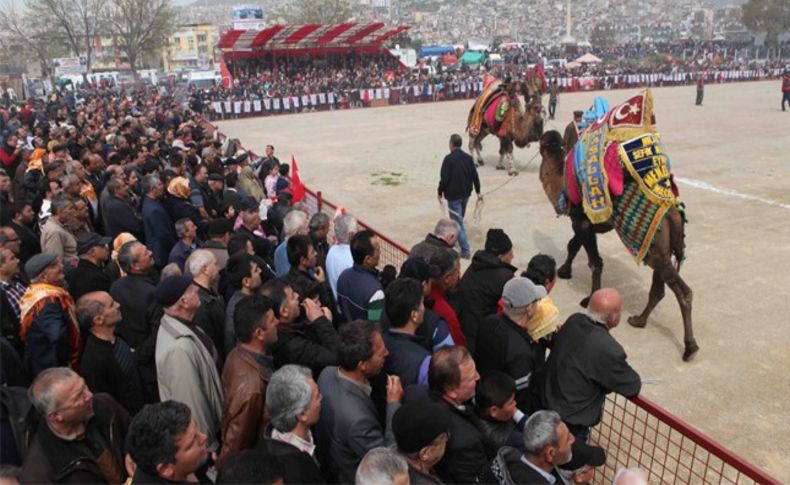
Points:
x=649, y=166
x=637, y=219
x=625, y=122
x=478, y=110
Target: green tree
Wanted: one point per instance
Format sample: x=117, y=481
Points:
x=140, y=26
x=769, y=16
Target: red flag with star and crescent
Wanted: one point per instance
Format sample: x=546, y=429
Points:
x=297, y=187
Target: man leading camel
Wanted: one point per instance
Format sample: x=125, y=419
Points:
x=458, y=177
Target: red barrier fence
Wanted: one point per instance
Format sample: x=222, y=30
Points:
x=633, y=432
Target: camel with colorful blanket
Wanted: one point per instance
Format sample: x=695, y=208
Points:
x=619, y=177
x=499, y=111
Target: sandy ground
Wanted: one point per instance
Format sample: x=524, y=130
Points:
x=731, y=159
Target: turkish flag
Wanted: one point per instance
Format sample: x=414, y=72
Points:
x=297, y=187
x=227, y=79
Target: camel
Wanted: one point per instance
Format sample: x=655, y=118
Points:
x=527, y=127
x=668, y=242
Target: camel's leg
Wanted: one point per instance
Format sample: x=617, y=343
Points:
x=657, y=291
x=594, y=262
x=574, y=245
x=475, y=146
x=511, y=169
x=502, y=154
x=685, y=297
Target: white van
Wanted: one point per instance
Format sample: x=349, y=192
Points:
x=203, y=79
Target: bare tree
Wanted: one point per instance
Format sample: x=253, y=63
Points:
x=76, y=20
x=140, y=26
x=26, y=33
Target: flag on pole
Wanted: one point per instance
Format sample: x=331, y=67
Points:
x=297, y=187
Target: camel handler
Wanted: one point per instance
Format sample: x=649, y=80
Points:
x=458, y=177
x=571, y=135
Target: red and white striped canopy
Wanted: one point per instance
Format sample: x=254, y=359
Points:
x=306, y=36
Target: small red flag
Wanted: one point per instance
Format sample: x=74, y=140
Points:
x=297, y=187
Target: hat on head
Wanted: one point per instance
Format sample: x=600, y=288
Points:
x=545, y=321
x=520, y=292
x=171, y=289
x=585, y=455
x=216, y=177
x=89, y=240
x=417, y=424
x=38, y=263
x=578, y=113
x=498, y=242
x=418, y=269
x=249, y=204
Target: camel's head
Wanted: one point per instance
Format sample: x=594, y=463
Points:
x=532, y=122
x=551, y=146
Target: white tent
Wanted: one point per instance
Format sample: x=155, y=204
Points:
x=588, y=59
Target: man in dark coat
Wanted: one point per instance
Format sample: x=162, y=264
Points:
x=119, y=213
x=505, y=345
x=22, y=217
x=571, y=135
x=160, y=236
x=210, y=317
x=458, y=177
x=404, y=307
x=452, y=378
x=89, y=275
x=108, y=364
x=444, y=235
x=135, y=292
x=586, y=363
x=481, y=286
x=80, y=440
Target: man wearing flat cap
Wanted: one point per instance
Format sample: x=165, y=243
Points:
x=421, y=432
x=481, y=286
x=48, y=317
x=186, y=359
x=504, y=344
x=94, y=251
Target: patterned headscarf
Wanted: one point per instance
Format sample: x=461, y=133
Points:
x=179, y=187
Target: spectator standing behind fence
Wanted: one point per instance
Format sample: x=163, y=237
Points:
x=786, y=89
x=359, y=292
x=554, y=95
x=700, y=89
x=586, y=363
x=457, y=178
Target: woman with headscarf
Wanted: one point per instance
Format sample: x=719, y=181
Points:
x=178, y=205
x=113, y=269
x=10, y=155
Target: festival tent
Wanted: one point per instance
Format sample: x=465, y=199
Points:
x=588, y=59
x=471, y=57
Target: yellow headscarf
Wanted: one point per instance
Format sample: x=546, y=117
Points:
x=545, y=321
x=179, y=187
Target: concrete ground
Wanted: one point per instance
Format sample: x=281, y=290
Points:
x=731, y=159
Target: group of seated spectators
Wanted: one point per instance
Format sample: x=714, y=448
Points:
x=170, y=314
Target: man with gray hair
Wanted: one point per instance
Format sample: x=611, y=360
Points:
x=630, y=476
x=81, y=436
x=186, y=230
x=55, y=238
x=293, y=403
x=547, y=445
x=160, y=235
x=339, y=258
x=295, y=223
x=202, y=266
x=444, y=235
x=586, y=363
x=382, y=466
x=319, y=227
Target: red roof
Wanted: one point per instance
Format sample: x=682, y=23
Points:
x=308, y=36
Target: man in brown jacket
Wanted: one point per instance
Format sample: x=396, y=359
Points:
x=246, y=375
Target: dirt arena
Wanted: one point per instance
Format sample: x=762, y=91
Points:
x=731, y=160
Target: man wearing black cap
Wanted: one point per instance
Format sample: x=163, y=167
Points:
x=213, y=195
x=504, y=344
x=89, y=274
x=48, y=322
x=482, y=283
x=421, y=432
x=219, y=232
x=186, y=359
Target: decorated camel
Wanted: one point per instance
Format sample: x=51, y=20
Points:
x=618, y=177
x=499, y=111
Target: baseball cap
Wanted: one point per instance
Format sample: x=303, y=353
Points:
x=418, y=269
x=89, y=240
x=520, y=292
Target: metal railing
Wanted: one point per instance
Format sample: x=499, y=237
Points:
x=634, y=432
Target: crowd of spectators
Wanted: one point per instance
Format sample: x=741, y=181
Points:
x=274, y=85
x=171, y=314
